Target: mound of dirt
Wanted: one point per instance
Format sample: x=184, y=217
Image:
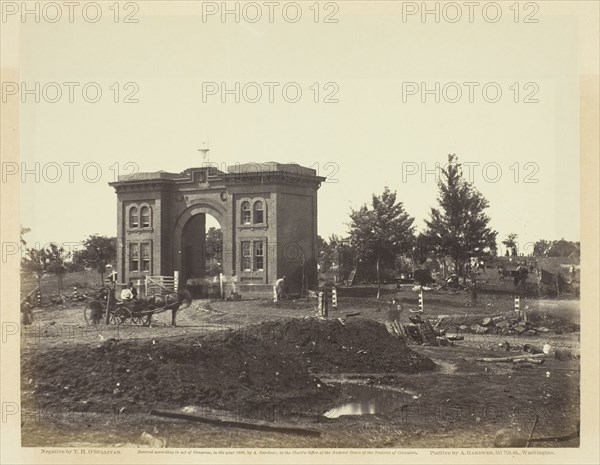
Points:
x=333, y=346
x=273, y=363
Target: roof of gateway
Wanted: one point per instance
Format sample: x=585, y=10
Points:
x=270, y=166
x=148, y=176
x=289, y=169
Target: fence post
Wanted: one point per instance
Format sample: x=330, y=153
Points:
x=221, y=286
x=421, y=301
x=175, y=281
x=322, y=305
x=334, y=302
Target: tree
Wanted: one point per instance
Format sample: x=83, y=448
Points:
x=560, y=248
x=425, y=247
x=343, y=253
x=213, y=256
x=563, y=248
x=214, y=244
x=98, y=251
x=381, y=232
x=34, y=262
x=24, y=231
x=511, y=244
x=540, y=248
x=55, y=258
x=326, y=254
x=459, y=227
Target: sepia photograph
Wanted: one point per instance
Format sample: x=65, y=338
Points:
x=297, y=232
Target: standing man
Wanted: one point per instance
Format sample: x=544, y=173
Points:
x=278, y=291
x=473, y=291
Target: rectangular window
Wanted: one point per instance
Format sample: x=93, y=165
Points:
x=134, y=257
x=259, y=256
x=145, y=257
x=246, y=256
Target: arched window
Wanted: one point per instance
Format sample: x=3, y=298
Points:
x=133, y=217
x=145, y=217
x=259, y=213
x=246, y=216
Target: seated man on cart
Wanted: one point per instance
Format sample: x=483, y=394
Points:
x=129, y=293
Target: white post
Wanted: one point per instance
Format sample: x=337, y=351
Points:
x=517, y=304
x=175, y=280
x=334, y=297
x=221, y=286
x=421, y=301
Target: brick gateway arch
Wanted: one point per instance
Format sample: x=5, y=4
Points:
x=267, y=213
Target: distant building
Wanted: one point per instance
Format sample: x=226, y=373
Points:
x=267, y=213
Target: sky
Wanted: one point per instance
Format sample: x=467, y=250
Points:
x=375, y=130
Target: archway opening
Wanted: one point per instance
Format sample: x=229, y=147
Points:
x=201, y=253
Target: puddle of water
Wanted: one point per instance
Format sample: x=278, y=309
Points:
x=368, y=401
x=353, y=408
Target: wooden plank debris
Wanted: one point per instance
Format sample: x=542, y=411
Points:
x=510, y=359
x=257, y=425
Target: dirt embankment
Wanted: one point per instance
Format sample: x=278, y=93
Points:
x=273, y=363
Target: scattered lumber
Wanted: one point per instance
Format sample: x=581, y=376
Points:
x=535, y=361
x=419, y=332
x=510, y=359
x=257, y=425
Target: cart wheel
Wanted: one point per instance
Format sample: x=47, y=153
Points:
x=93, y=312
x=142, y=319
x=119, y=316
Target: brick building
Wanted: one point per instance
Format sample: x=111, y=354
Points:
x=267, y=213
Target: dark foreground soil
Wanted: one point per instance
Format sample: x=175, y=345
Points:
x=272, y=363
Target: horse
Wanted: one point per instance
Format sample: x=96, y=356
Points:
x=173, y=301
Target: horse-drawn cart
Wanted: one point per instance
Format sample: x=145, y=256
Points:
x=105, y=308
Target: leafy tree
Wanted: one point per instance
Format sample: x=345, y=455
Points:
x=24, y=231
x=326, y=254
x=343, y=253
x=213, y=267
x=214, y=245
x=381, y=232
x=425, y=247
x=98, y=251
x=55, y=258
x=34, y=262
x=511, y=244
x=560, y=248
x=541, y=247
x=459, y=227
